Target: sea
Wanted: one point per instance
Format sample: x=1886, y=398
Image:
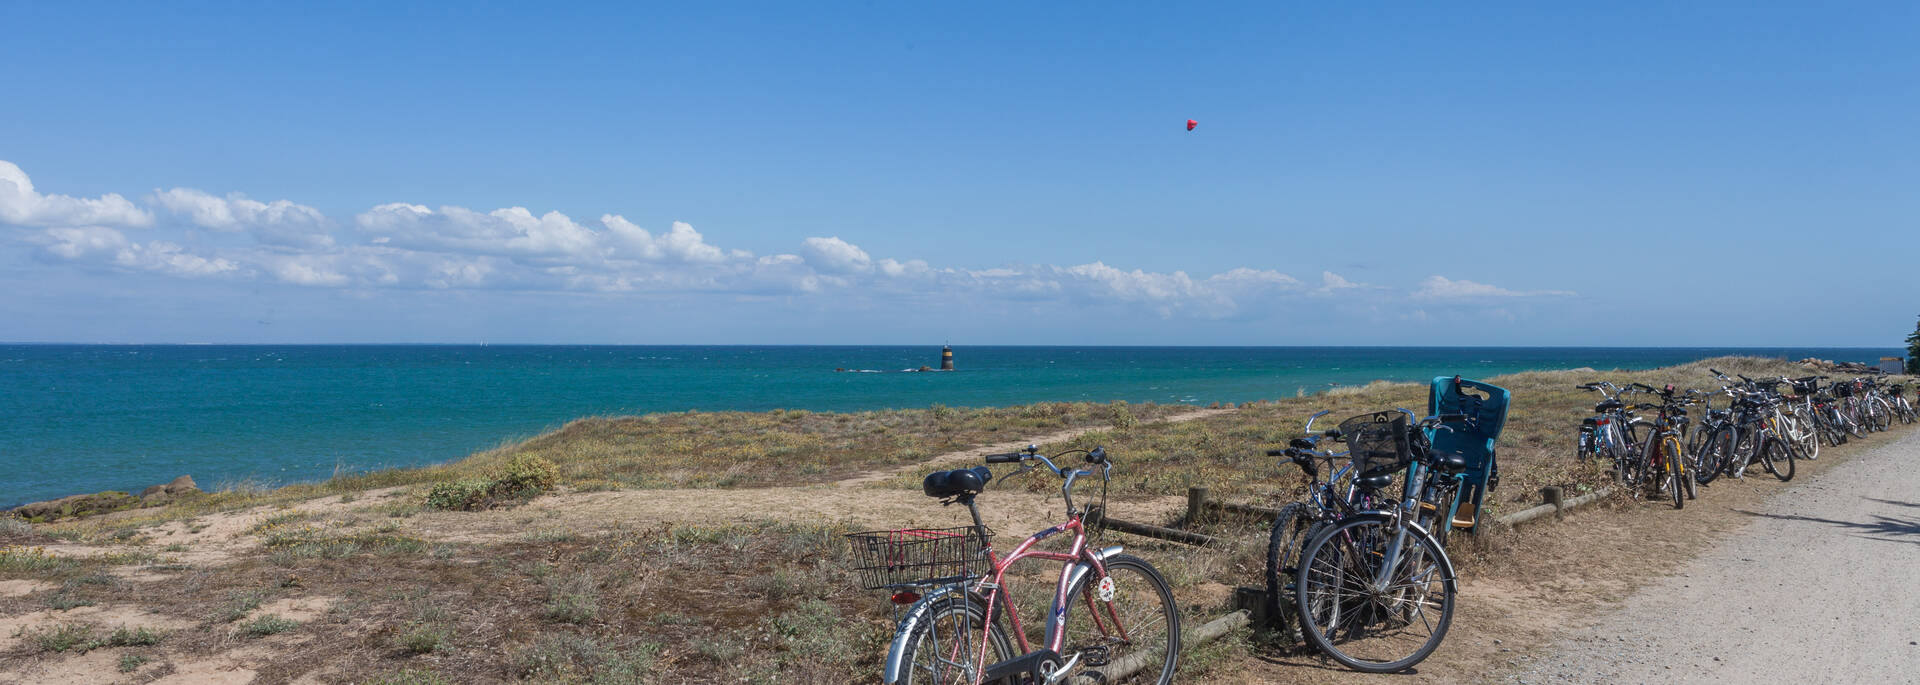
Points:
x=85, y=418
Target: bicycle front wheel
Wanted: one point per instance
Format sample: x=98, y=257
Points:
x=1805, y=436
x=944, y=648
x=1683, y=472
x=1369, y=612
x=1124, y=625
x=1711, y=454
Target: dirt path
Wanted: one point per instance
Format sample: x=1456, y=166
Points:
x=217, y=539
x=1524, y=592
x=974, y=455
x=1817, y=587
x=1006, y=509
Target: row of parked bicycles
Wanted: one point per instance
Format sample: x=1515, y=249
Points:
x=1653, y=448
x=1358, y=568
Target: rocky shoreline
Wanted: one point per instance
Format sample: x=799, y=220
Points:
x=75, y=506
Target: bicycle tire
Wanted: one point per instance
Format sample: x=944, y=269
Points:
x=1283, y=548
x=1107, y=601
x=1685, y=471
x=1340, y=552
x=1823, y=418
x=1710, y=456
x=1745, y=450
x=952, y=617
x=1782, y=462
x=1670, y=463
x=1804, y=434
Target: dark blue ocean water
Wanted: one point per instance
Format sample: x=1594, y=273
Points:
x=82, y=418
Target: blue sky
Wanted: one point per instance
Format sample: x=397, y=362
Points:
x=1522, y=174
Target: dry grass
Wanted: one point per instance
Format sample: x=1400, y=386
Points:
x=684, y=450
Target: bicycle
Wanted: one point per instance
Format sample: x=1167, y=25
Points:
x=1131, y=626
x=1373, y=589
x=1662, y=463
x=1298, y=522
x=1901, y=407
x=1609, y=434
x=1816, y=408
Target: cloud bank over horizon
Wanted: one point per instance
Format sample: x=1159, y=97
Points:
x=189, y=233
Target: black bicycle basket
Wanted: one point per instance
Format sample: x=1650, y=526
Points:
x=1805, y=387
x=919, y=556
x=1377, y=442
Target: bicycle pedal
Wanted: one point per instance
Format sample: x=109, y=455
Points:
x=1096, y=656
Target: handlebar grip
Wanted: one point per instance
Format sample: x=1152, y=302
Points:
x=1645, y=387
x=1005, y=458
x=1715, y=371
x=1584, y=386
x=1279, y=453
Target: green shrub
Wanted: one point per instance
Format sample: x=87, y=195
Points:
x=412, y=677
x=526, y=475
x=270, y=624
x=423, y=638
x=520, y=479
x=458, y=495
x=71, y=636
x=135, y=637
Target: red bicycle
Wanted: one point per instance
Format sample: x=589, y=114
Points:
x=957, y=584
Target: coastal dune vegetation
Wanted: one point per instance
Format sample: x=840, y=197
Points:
x=668, y=548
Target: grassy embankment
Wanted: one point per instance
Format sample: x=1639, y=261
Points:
x=662, y=600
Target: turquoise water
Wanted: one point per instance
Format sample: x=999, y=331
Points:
x=82, y=418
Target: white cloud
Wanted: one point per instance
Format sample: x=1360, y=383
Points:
x=413, y=246
x=308, y=270
x=280, y=222
x=172, y=259
x=102, y=245
x=834, y=255
x=21, y=205
x=1440, y=287
x=81, y=242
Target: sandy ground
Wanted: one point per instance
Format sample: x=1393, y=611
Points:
x=1817, y=587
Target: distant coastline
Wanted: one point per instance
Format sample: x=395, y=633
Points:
x=87, y=418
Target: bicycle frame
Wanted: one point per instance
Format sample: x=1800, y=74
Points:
x=995, y=593
x=996, y=587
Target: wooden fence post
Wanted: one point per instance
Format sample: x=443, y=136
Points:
x=1196, y=503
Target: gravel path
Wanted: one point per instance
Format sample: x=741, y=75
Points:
x=1822, y=587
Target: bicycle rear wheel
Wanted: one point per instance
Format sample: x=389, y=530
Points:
x=1283, y=554
x=1780, y=457
x=945, y=645
x=1368, y=626
x=1672, y=470
x=1124, y=625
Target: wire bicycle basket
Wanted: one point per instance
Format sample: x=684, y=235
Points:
x=887, y=559
x=1377, y=442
